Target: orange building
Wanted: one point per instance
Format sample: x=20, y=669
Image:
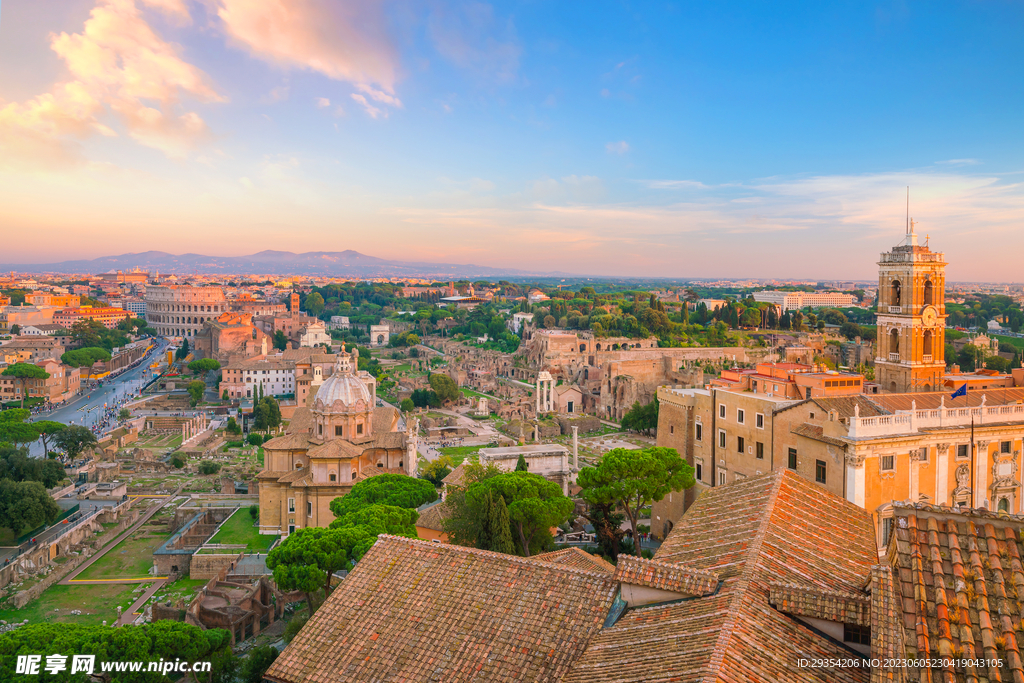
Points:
x=109, y=317
x=790, y=381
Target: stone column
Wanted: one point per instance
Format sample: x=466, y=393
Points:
x=915, y=474
x=855, y=478
x=575, y=448
x=551, y=396
x=942, y=474
x=981, y=474
x=537, y=394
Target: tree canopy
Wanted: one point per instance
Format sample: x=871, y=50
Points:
x=168, y=640
x=398, y=490
x=633, y=479
x=445, y=387
x=16, y=465
x=25, y=505
x=73, y=440
x=204, y=365
x=306, y=559
x=15, y=428
x=196, y=388
x=641, y=418
x=533, y=503
x=83, y=358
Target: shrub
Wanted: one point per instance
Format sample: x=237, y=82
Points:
x=234, y=444
x=254, y=511
x=177, y=461
x=232, y=427
x=209, y=467
x=295, y=625
x=254, y=439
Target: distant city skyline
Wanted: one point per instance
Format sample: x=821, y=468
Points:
x=678, y=141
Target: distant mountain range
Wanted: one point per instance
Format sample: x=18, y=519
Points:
x=326, y=263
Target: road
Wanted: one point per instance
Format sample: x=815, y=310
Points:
x=87, y=409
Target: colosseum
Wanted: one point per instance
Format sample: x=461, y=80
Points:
x=181, y=310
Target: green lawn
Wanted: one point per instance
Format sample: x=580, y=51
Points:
x=97, y=602
x=131, y=558
x=460, y=453
x=470, y=392
x=239, y=529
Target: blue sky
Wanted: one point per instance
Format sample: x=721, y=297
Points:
x=663, y=139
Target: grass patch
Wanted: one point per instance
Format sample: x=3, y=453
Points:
x=459, y=453
x=183, y=588
x=131, y=558
x=239, y=529
x=470, y=392
x=97, y=602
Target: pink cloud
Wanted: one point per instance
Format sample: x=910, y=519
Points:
x=342, y=39
x=118, y=63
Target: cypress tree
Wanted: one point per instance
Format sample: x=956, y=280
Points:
x=501, y=529
x=521, y=465
x=485, y=537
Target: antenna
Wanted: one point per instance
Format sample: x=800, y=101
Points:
x=908, y=210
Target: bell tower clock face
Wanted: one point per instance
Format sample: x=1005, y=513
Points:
x=929, y=317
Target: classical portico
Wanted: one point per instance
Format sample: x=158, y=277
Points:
x=545, y=393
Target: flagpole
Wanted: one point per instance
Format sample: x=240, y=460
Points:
x=973, y=494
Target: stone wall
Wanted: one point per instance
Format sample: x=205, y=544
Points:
x=209, y=566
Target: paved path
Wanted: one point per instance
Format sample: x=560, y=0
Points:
x=69, y=579
x=132, y=613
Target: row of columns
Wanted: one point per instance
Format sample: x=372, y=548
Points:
x=545, y=394
x=193, y=427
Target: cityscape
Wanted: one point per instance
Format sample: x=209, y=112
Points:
x=519, y=341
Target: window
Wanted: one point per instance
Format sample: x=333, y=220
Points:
x=1004, y=446
x=740, y=444
x=924, y=454
x=819, y=471
x=291, y=505
x=961, y=450
x=739, y=416
x=320, y=429
x=858, y=635
x=888, y=463
x=700, y=471
x=339, y=430
x=309, y=509
x=721, y=438
x=759, y=450
x=721, y=410
x=699, y=432
x=359, y=429
x=792, y=458
x=721, y=477
x=775, y=387
x=333, y=477
x=886, y=530
x=759, y=420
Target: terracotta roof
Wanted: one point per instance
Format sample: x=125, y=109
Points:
x=384, y=419
x=846, y=405
x=664, y=576
x=288, y=442
x=962, y=586
x=392, y=440
x=758, y=531
x=302, y=422
x=816, y=432
x=411, y=610
x=433, y=516
x=335, y=448
x=576, y=557
x=845, y=606
x=932, y=400
x=456, y=476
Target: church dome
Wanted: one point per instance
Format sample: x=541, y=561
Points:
x=343, y=387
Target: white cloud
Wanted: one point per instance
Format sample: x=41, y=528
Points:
x=373, y=111
x=343, y=39
x=620, y=147
x=323, y=102
x=118, y=64
x=959, y=162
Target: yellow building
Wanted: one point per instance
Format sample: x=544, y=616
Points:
x=911, y=318
x=340, y=440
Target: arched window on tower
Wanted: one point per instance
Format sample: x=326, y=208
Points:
x=897, y=292
x=928, y=344
x=929, y=292
x=894, y=344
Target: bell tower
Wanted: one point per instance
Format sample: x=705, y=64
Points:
x=911, y=317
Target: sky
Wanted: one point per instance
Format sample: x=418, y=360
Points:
x=660, y=139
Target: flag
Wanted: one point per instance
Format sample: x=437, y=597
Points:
x=962, y=391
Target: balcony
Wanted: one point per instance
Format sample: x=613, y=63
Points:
x=894, y=357
x=926, y=358
x=895, y=309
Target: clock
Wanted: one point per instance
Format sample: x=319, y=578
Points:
x=929, y=316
